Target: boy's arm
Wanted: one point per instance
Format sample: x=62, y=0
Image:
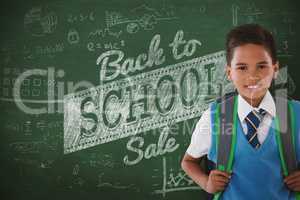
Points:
x=214, y=182
x=293, y=181
x=192, y=168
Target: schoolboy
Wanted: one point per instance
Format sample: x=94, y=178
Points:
x=251, y=65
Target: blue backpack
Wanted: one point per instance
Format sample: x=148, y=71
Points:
x=226, y=116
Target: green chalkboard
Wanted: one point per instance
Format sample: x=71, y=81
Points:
x=99, y=98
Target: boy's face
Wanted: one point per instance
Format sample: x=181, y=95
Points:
x=251, y=71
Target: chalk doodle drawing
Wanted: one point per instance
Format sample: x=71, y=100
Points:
x=33, y=88
x=7, y=52
x=47, y=50
x=27, y=147
x=174, y=180
x=288, y=19
x=100, y=161
x=144, y=18
x=283, y=49
x=104, y=32
x=40, y=21
x=93, y=46
x=73, y=36
x=252, y=13
x=82, y=17
x=234, y=9
x=117, y=185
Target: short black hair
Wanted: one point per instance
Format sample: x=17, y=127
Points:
x=250, y=34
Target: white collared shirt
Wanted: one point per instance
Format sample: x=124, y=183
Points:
x=201, y=138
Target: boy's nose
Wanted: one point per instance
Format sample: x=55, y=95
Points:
x=253, y=78
x=253, y=74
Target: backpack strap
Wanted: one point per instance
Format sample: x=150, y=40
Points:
x=226, y=137
x=225, y=119
x=285, y=137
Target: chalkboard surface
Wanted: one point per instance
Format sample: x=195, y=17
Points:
x=99, y=98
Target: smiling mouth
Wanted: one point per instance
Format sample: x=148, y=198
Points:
x=252, y=86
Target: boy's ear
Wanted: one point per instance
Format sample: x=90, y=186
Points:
x=228, y=72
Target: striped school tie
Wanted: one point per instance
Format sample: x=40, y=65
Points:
x=253, y=120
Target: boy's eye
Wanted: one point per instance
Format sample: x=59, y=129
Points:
x=262, y=66
x=242, y=67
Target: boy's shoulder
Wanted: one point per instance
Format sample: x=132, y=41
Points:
x=296, y=104
x=219, y=100
x=225, y=97
x=295, y=101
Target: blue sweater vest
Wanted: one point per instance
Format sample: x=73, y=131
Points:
x=257, y=173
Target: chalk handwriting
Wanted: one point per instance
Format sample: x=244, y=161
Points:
x=114, y=61
x=188, y=49
x=141, y=102
x=163, y=146
x=153, y=58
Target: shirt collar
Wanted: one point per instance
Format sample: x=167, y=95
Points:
x=267, y=103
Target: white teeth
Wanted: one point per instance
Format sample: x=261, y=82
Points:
x=252, y=86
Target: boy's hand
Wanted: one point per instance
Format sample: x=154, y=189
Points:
x=293, y=181
x=217, y=181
